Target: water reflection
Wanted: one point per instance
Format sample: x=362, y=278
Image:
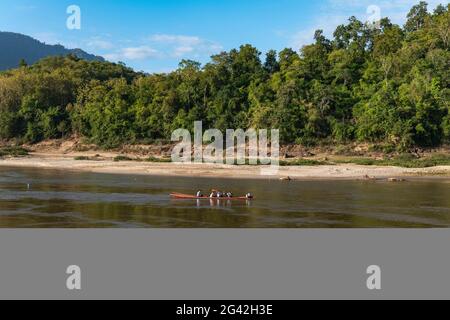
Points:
x=81, y=200
x=215, y=203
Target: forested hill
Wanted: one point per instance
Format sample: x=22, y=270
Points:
x=387, y=86
x=15, y=47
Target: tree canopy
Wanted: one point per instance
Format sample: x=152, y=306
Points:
x=386, y=85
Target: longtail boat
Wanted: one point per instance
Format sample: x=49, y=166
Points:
x=182, y=196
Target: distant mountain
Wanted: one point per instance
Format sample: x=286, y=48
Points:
x=14, y=47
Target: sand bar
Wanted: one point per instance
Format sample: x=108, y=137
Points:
x=106, y=165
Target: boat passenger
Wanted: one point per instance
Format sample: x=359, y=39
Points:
x=199, y=194
x=229, y=195
x=213, y=194
x=249, y=196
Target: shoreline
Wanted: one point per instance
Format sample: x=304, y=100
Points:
x=322, y=172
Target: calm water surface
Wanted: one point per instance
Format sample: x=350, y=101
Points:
x=58, y=199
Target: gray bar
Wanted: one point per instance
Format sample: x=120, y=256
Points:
x=225, y=264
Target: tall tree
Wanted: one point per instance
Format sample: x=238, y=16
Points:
x=417, y=17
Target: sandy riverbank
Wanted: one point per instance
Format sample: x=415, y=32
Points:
x=105, y=164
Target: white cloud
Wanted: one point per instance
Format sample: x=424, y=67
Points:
x=183, y=45
x=133, y=53
x=26, y=7
x=176, y=39
x=181, y=51
x=98, y=43
x=161, y=46
x=139, y=53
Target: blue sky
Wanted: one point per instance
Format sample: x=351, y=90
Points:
x=154, y=35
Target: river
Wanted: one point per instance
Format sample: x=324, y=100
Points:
x=34, y=198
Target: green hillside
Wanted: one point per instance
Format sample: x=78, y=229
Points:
x=16, y=48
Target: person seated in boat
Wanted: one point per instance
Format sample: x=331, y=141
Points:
x=213, y=194
x=249, y=196
x=229, y=195
x=199, y=194
x=219, y=194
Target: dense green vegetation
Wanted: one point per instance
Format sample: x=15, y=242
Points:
x=403, y=160
x=388, y=85
x=13, y=152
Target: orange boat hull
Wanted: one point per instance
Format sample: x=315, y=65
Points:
x=189, y=197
